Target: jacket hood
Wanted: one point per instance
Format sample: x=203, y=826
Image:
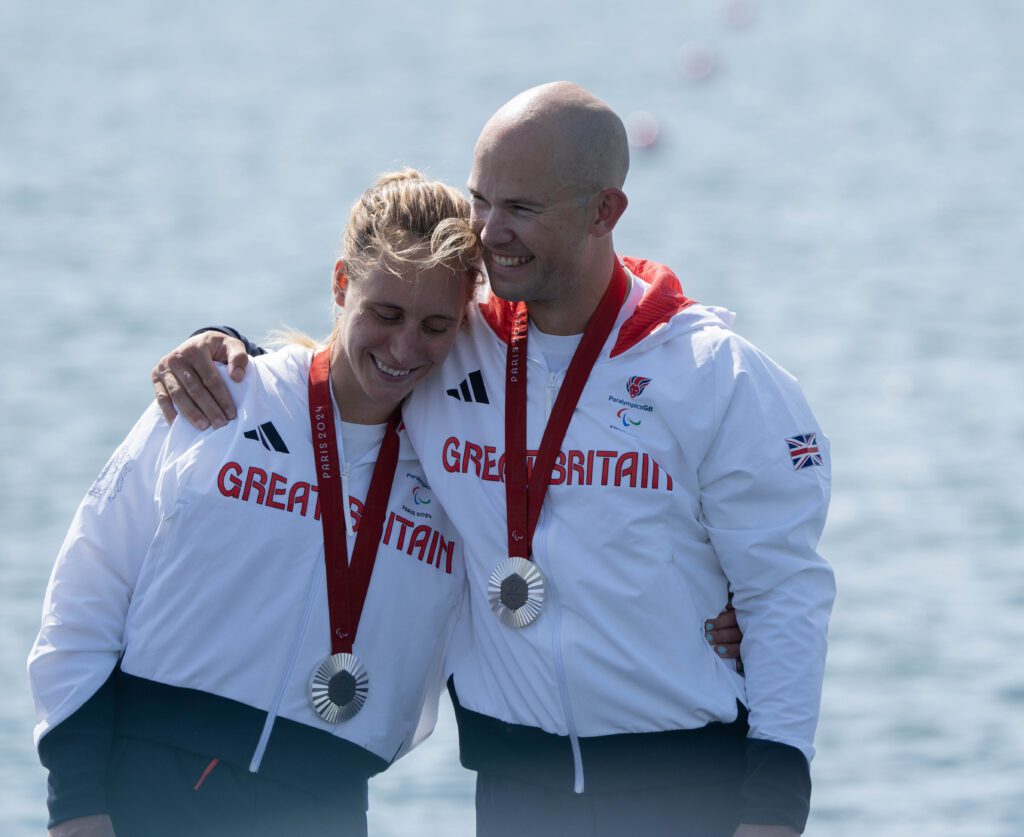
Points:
x=651, y=312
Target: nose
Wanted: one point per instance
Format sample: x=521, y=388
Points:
x=490, y=224
x=407, y=346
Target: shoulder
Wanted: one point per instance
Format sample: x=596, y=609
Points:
x=288, y=364
x=139, y=452
x=281, y=374
x=706, y=334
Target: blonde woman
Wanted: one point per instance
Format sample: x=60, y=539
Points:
x=244, y=625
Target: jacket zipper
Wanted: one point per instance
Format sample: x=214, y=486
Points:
x=550, y=392
x=311, y=599
x=556, y=634
x=349, y=524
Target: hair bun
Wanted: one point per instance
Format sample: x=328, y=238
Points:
x=405, y=221
x=404, y=175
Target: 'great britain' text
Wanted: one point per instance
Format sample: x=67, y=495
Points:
x=573, y=467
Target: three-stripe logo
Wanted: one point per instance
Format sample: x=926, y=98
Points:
x=471, y=389
x=266, y=434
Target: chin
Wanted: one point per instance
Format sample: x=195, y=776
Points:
x=390, y=396
x=394, y=392
x=509, y=290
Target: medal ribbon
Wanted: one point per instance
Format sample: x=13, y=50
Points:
x=346, y=584
x=524, y=498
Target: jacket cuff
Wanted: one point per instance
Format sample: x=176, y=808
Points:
x=76, y=752
x=777, y=785
x=250, y=348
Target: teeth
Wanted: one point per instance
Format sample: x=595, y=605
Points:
x=510, y=261
x=387, y=370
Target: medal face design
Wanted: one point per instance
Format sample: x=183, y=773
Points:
x=515, y=591
x=339, y=688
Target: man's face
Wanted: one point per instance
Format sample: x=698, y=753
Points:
x=531, y=219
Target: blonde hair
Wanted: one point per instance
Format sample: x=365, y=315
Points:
x=404, y=221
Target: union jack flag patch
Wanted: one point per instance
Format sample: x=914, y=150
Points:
x=804, y=451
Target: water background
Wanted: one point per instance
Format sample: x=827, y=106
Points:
x=849, y=178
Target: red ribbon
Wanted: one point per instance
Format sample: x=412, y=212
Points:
x=524, y=497
x=347, y=584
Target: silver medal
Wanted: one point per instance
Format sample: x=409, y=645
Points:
x=516, y=592
x=338, y=687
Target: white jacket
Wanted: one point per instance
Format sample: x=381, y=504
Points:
x=662, y=501
x=197, y=559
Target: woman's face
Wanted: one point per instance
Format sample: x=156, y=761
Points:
x=392, y=332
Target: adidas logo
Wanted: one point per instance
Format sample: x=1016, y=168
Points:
x=266, y=434
x=471, y=389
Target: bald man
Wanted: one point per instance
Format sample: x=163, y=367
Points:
x=619, y=462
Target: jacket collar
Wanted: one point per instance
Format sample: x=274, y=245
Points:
x=662, y=299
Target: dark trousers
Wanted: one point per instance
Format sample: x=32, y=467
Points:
x=152, y=792
x=512, y=808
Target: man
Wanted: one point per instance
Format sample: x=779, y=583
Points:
x=612, y=489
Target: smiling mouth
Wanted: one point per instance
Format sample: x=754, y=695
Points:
x=390, y=371
x=510, y=261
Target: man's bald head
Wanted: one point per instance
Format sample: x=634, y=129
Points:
x=547, y=192
x=584, y=138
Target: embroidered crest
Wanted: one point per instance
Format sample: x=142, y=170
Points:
x=111, y=479
x=636, y=385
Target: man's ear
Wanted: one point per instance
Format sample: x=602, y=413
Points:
x=611, y=203
x=340, y=282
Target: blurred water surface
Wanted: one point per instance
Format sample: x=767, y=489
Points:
x=848, y=177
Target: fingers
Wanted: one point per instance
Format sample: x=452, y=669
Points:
x=725, y=636
x=187, y=380
x=180, y=402
x=724, y=640
x=202, y=382
x=237, y=359
x=200, y=352
x=163, y=398
x=725, y=619
x=727, y=651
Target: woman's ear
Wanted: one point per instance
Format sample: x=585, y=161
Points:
x=340, y=282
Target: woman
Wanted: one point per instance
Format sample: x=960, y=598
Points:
x=244, y=625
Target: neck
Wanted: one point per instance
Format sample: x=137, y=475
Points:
x=562, y=316
x=354, y=406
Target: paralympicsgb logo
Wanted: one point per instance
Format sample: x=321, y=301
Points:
x=636, y=385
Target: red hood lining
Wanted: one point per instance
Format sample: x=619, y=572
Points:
x=663, y=298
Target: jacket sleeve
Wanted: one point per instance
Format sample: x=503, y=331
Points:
x=81, y=639
x=765, y=486
x=251, y=349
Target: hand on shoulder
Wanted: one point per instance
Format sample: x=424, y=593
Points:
x=186, y=380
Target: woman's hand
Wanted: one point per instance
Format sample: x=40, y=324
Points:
x=724, y=635
x=96, y=825
x=186, y=379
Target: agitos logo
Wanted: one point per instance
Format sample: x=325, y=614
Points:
x=420, y=496
x=627, y=420
x=636, y=385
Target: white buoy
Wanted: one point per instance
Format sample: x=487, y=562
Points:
x=641, y=129
x=696, y=60
x=737, y=13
